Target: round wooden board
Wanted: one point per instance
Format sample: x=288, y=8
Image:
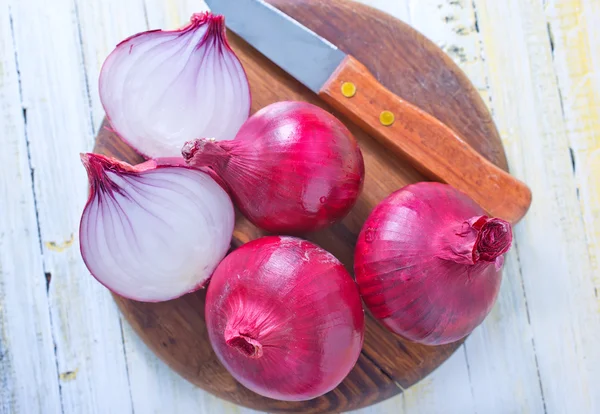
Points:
x=415, y=69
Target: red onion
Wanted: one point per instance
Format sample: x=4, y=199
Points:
x=292, y=168
x=285, y=318
x=153, y=232
x=162, y=88
x=428, y=263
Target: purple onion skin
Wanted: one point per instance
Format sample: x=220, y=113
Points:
x=428, y=263
x=292, y=168
x=285, y=318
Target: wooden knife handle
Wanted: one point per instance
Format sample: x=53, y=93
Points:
x=432, y=147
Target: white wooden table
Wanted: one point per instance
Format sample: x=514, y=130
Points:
x=64, y=347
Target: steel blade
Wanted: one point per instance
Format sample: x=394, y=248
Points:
x=293, y=47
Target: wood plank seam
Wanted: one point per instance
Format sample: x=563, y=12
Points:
x=488, y=98
x=126, y=362
x=145, y=9
x=553, y=252
x=24, y=112
x=516, y=240
x=535, y=355
x=466, y=357
x=83, y=66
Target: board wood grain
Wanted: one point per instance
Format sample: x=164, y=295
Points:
x=416, y=70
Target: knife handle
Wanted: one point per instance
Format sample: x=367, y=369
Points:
x=432, y=147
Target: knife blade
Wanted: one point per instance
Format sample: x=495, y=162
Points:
x=314, y=58
x=347, y=85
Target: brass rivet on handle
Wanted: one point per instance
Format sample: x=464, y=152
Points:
x=348, y=89
x=386, y=118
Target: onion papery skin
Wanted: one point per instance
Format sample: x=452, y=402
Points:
x=428, y=263
x=292, y=168
x=155, y=231
x=162, y=88
x=285, y=318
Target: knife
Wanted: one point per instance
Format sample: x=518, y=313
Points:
x=348, y=86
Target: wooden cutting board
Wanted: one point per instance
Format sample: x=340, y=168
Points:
x=415, y=69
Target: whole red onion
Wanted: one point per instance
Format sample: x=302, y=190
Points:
x=292, y=168
x=428, y=263
x=285, y=318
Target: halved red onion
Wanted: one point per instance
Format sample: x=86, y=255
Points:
x=153, y=232
x=162, y=88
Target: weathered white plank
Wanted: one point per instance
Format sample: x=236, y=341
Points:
x=86, y=328
x=157, y=389
x=28, y=375
x=170, y=14
x=551, y=241
x=446, y=390
x=500, y=353
x=574, y=26
x=102, y=25
x=452, y=25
